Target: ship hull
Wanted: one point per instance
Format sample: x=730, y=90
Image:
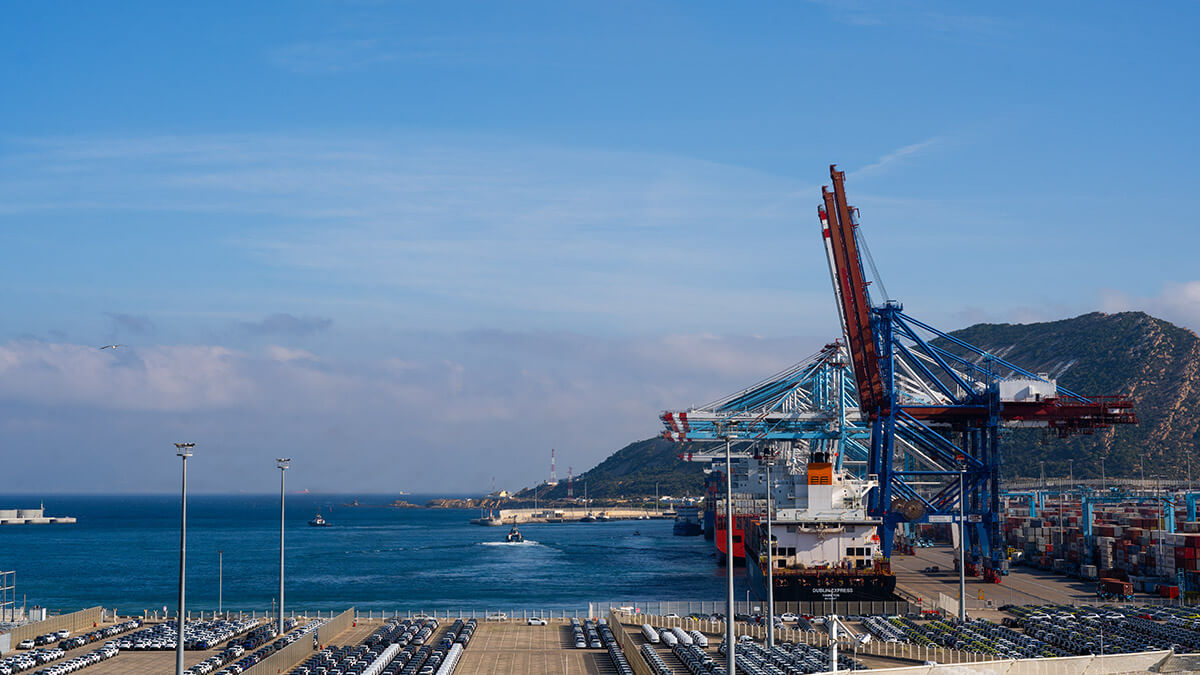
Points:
x=821, y=585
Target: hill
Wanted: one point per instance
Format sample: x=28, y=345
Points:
x=633, y=471
x=1131, y=353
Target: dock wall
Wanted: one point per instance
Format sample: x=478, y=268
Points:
x=284, y=659
x=632, y=654
x=1109, y=664
x=74, y=622
x=335, y=627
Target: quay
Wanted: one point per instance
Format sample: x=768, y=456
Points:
x=31, y=517
x=571, y=514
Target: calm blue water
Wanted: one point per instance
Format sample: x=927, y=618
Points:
x=124, y=553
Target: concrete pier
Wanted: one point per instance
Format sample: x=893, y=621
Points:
x=574, y=514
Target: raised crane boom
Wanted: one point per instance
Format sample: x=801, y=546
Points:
x=838, y=225
x=932, y=396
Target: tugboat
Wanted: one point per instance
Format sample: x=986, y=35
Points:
x=318, y=521
x=514, y=535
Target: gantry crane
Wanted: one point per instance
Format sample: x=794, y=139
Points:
x=926, y=391
x=810, y=405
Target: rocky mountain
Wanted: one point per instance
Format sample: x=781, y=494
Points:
x=1130, y=353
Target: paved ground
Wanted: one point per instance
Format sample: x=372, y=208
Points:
x=1023, y=585
x=158, y=663
x=502, y=648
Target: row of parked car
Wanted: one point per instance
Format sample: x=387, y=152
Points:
x=585, y=634
x=786, y=658
x=397, y=648
x=655, y=660
x=22, y=662
x=1112, y=629
x=258, y=638
x=78, y=662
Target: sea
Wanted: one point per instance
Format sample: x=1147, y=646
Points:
x=123, y=553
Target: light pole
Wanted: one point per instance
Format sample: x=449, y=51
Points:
x=283, y=463
x=730, y=642
x=1071, y=463
x=770, y=561
x=220, y=580
x=962, y=547
x=183, y=450
x=1103, y=480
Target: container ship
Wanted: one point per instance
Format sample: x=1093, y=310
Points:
x=825, y=546
x=747, y=510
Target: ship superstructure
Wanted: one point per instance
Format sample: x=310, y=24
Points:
x=824, y=545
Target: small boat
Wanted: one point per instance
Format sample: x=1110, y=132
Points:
x=636, y=533
x=514, y=535
x=589, y=518
x=318, y=521
x=603, y=517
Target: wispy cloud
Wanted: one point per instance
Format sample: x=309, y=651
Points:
x=460, y=231
x=339, y=55
x=129, y=323
x=286, y=324
x=899, y=156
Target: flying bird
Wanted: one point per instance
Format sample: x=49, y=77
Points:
x=111, y=346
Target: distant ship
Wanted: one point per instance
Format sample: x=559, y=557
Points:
x=487, y=518
x=825, y=545
x=687, y=521
x=318, y=521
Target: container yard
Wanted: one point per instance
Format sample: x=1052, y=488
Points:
x=1143, y=542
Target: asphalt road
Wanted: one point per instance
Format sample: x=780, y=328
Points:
x=1023, y=585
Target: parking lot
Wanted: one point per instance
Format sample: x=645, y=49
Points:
x=158, y=662
x=513, y=647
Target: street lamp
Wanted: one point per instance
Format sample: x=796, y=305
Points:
x=730, y=642
x=283, y=463
x=183, y=450
x=220, y=580
x=962, y=546
x=770, y=560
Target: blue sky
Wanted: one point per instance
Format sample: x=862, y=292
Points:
x=415, y=245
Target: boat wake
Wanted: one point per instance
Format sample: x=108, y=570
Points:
x=527, y=542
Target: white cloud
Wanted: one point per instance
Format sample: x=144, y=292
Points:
x=1177, y=302
x=492, y=400
x=898, y=156
x=277, y=353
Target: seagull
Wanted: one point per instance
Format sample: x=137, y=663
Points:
x=111, y=346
